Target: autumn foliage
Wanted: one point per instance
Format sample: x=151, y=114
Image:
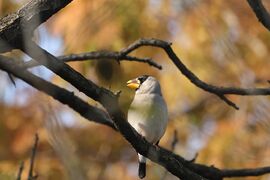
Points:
x=222, y=42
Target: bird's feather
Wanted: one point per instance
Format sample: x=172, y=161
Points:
x=148, y=115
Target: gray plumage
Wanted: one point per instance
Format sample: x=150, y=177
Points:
x=148, y=113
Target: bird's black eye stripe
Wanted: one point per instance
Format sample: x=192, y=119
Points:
x=142, y=78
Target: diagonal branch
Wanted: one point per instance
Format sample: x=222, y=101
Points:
x=218, y=91
x=110, y=102
x=261, y=12
x=62, y=95
x=156, y=154
x=14, y=26
x=102, y=95
x=95, y=55
x=174, y=163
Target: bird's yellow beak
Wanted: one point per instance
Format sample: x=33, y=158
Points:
x=133, y=84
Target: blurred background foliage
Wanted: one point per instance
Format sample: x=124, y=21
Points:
x=220, y=41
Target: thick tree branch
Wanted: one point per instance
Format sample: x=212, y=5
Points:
x=62, y=95
x=219, y=91
x=11, y=35
x=171, y=161
x=245, y=172
x=261, y=12
x=156, y=154
x=95, y=55
x=214, y=173
x=13, y=38
x=102, y=95
x=110, y=102
x=21, y=24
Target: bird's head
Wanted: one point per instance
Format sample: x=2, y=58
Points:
x=144, y=84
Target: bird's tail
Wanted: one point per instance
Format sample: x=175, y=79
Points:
x=142, y=166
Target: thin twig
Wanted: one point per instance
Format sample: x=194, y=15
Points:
x=11, y=78
x=175, y=140
x=110, y=103
x=19, y=175
x=166, y=46
x=32, y=159
x=218, y=91
x=12, y=36
x=229, y=102
x=96, y=55
x=173, y=162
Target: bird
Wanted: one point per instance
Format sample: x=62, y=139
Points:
x=148, y=113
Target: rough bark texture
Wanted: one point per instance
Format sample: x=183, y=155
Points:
x=16, y=27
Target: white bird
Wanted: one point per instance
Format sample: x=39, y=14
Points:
x=148, y=113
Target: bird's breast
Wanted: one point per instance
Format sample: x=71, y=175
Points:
x=148, y=115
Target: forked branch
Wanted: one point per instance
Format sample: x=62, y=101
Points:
x=217, y=90
x=174, y=163
x=96, y=55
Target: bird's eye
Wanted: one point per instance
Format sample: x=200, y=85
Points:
x=142, y=78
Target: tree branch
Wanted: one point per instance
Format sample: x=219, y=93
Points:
x=110, y=102
x=11, y=34
x=218, y=91
x=12, y=37
x=19, y=175
x=261, y=12
x=102, y=95
x=32, y=159
x=21, y=24
x=245, y=172
x=156, y=154
x=174, y=163
x=95, y=55
x=62, y=95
